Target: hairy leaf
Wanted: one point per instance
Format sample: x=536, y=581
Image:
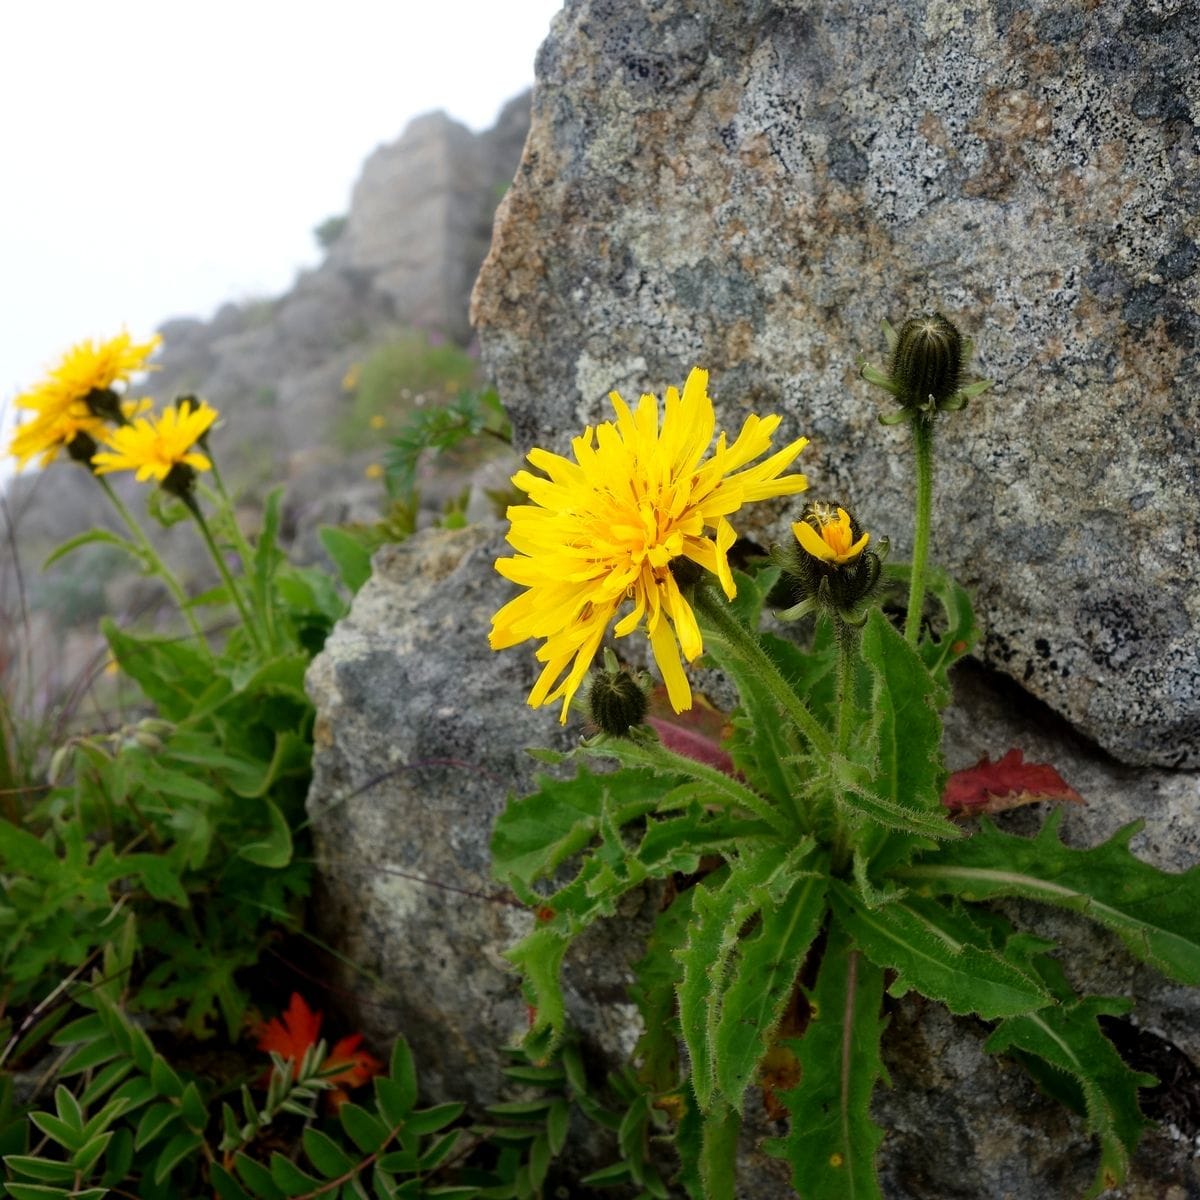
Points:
x=831, y=1139
x=1155, y=913
x=1069, y=1038
x=940, y=954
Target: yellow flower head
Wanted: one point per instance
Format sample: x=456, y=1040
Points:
x=373, y=471
x=154, y=446
x=602, y=531
x=60, y=402
x=52, y=430
x=832, y=540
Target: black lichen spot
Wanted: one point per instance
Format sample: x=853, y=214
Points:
x=1042, y=647
x=1180, y=262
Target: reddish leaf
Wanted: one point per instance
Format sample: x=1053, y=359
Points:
x=696, y=733
x=990, y=787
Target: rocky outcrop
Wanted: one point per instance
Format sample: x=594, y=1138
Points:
x=752, y=187
x=420, y=733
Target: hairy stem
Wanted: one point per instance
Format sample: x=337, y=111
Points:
x=922, y=431
x=230, y=585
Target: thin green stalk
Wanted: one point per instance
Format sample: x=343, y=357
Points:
x=724, y=626
x=922, y=431
x=219, y=559
x=152, y=556
x=246, y=554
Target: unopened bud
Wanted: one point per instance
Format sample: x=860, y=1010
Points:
x=616, y=700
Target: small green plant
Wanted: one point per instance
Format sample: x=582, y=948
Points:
x=329, y=231
x=408, y=373
x=810, y=858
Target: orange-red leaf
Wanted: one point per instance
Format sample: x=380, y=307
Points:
x=291, y=1035
x=990, y=787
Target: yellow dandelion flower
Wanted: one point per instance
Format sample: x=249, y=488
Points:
x=373, y=471
x=76, y=395
x=378, y=421
x=351, y=378
x=53, y=430
x=154, y=446
x=827, y=534
x=602, y=531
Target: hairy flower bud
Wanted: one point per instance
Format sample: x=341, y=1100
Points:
x=616, y=700
x=827, y=567
x=927, y=362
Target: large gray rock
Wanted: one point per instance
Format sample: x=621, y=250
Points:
x=752, y=187
x=419, y=737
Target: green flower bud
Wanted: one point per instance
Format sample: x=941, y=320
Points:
x=616, y=700
x=929, y=359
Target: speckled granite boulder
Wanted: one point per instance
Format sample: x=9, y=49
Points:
x=419, y=738
x=753, y=186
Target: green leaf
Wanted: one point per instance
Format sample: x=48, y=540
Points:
x=257, y=1177
x=225, y=1185
x=901, y=788
x=169, y=671
x=761, y=982
x=1069, y=1038
x=403, y=1071
x=537, y=833
x=273, y=851
x=721, y=906
x=350, y=555
x=48, y=1170
x=154, y=1121
x=831, y=1139
x=326, y=1155
x=98, y=536
x=85, y=1157
x=430, y=1120
x=1155, y=913
x=363, y=1128
x=940, y=954
x=289, y=1177
x=181, y=1146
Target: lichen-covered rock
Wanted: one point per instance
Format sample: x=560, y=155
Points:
x=753, y=186
x=419, y=737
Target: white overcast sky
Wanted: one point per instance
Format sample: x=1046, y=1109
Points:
x=160, y=158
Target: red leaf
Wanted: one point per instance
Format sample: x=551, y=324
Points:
x=696, y=733
x=990, y=787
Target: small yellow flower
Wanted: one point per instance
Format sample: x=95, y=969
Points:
x=71, y=398
x=351, y=377
x=153, y=446
x=378, y=421
x=601, y=532
x=374, y=471
x=832, y=541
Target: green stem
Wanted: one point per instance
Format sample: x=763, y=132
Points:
x=724, y=788
x=725, y=627
x=847, y=644
x=718, y=1154
x=246, y=554
x=922, y=430
x=219, y=559
x=159, y=567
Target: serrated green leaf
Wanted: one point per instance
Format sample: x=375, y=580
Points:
x=720, y=907
x=169, y=671
x=1069, y=1038
x=831, y=1139
x=325, y=1154
x=902, y=786
x=1155, y=913
x=940, y=954
x=537, y=833
x=761, y=982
